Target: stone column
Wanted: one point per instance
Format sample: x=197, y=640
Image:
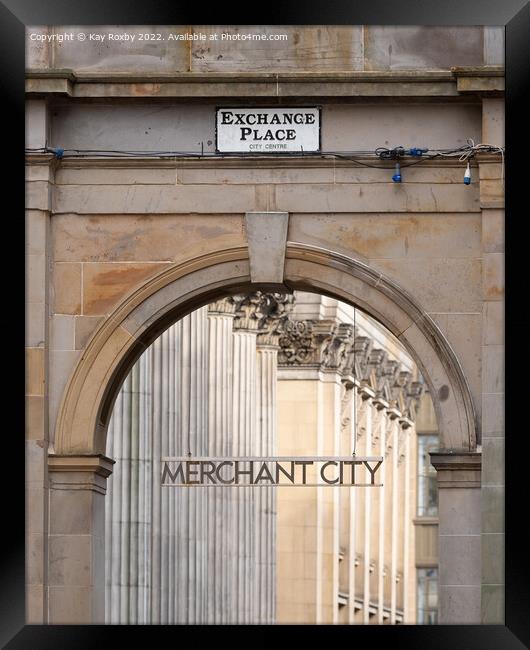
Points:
x=459, y=507
x=383, y=420
x=246, y=325
x=274, y=310
x=366, y=395
x=222, y=576
x=76, y=588
x=406, y=426
x=394, y=445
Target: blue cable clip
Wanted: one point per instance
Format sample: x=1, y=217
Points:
x=58, y=152
x=415, y=151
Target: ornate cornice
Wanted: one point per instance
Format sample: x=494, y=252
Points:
x=330, y=346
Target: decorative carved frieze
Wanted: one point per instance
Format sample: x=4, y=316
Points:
x=327, y=345
x=222, y=307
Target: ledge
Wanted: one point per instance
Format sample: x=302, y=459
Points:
x=260, y=86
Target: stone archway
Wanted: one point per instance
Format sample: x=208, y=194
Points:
x=78, y=467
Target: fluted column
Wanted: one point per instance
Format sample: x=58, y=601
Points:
x=383, y=420
x=273, y=309
x=222, y=545
x=244, y=431
x=128, y=500
x=394, y=427
x=407, y=524
x=367, y=395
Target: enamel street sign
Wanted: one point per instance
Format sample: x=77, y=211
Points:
x=267, y=130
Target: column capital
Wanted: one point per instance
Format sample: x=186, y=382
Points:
x=81, y=472
x=457, y=468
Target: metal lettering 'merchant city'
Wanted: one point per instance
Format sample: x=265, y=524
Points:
x=299, y=471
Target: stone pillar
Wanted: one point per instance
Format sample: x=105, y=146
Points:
x=244, y=431
x=273, y=312
x=394, y=445
x=39, y=181
x=222, y=540
x=492, y=206
x=76, y=586
x=383, y=420
x=459, y=507
x=406, y=427
x=366, y=395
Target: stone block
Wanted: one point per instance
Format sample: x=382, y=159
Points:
x=267, y=239
x=493, y=121
x=171, y=127
x=375, y=197
x=493, y=415
x=422, y=47
x=38, y=196
x=36, y=278
x=493, y=368
x=493, y=323
x=491, y=194
x=67, y=605
x=35, y=417
x=36, y=458
x=494, y=45
x=493, y=276
x=394, y=236
x=355, y=127
x=459, y=512
x=110, y=176
x=156, y=56
x=34, y=604
x=130, y=238
x=85, y=326
x=37, y=52
x=71, y=514
x=36, y=229
x=459, y=559
x=307, y=48
x=70, y=560
x=460, y=604
x=35, y=510
x=493, y=604
x=35, y=327
x=106, y=284
x=149, y=199
x=37, y=126
x=67, y=288
x=492, y=461
x=493, y=509
x=34, y=371
x=438, y=284
x=493, y=559
x=34, y=559
x=493, y=231
x=62, y=332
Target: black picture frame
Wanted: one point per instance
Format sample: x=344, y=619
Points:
x=515, y=16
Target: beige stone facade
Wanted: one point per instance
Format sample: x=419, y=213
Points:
x=119, y=249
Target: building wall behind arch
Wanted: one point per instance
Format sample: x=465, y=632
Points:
x=98, y=229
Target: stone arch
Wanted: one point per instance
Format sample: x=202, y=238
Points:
x=134, y=324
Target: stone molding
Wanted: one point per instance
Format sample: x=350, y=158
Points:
x=330, y=346
x=461, y=469
x=79, y=472
x=185, y=85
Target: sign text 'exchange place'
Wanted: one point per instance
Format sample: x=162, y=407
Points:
x=268, y=130
x=280, y=471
